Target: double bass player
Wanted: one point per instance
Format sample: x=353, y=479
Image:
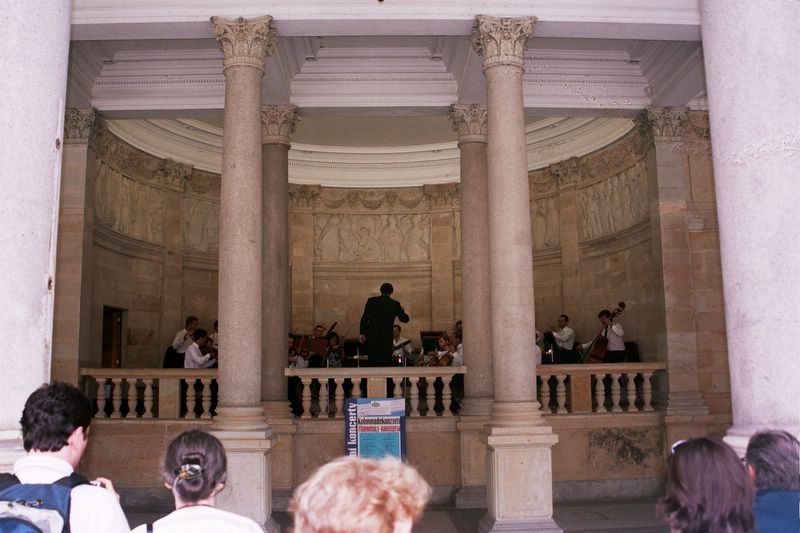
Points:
x=613, y=333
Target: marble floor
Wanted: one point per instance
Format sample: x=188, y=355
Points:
x=595, y=517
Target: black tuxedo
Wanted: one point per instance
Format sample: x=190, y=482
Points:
x=376, y=324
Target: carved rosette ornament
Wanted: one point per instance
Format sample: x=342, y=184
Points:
x=566, y=173
x=278, y=123
x=78, y=124
x=245, y=42
x=668, y=122
x=441, y=195
x=469, y=120
x=501, y=41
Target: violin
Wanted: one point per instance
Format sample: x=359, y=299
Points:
x=596, y=351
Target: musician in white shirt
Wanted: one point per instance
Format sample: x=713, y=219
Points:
x=615, y=352
x=564, y=335
x=399, y=349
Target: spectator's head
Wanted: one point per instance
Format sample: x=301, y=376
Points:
x=192, y=322
x=352, y=495
x=194, y=467
x=773, y=460
x=56, y=418
x=709, y=489
x=199, y=335
x=387, y=288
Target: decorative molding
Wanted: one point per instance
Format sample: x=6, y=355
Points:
x=278, y=123
x=396, y=199
x=668, y=122
x=78, y=124
x=501, y=41
x=445, y=195
x=469, y=120
x=303, y=196
x=615, y=158
x=245, y=42
x=698, y=126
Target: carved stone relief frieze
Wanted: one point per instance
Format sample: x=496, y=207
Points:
x=340, y=237
x=566, y=173
x=441, y=195
x=200, y=225
x=128, y=206
x=614, y=204
x=610, y=161
x=546, y=231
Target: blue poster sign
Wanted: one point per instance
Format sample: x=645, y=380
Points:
x=375, y=427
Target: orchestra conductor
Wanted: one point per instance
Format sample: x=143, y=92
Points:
x=376, y=325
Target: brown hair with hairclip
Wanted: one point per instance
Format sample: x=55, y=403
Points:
x=194, y=464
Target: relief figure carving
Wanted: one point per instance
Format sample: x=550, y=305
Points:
x=392, y=237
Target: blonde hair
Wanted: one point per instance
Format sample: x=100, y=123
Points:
x=352, y=495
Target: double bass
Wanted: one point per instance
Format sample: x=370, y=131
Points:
x=596, y=351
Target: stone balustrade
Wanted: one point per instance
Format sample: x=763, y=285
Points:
x=428, y=390
x=144, y=393
x=597, y=388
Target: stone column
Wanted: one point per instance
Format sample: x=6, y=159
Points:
x=71, y=321
x=32, y=124
x=519, y=466
x=470, y=123
x=670, y=196
x=241, y=424
x=277, y=123
x=755, y=141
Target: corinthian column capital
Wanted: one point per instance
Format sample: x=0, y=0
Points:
x=278, y=123
x=469, y=120
x=667, y=121
x=245, y=42
x=501, y=41
x=78, y=124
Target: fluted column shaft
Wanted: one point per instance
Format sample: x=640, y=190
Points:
x=470, y=122
x=277, y=123
x=245, y=45
x=755, y=142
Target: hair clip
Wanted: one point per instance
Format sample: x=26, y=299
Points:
x=188, y=471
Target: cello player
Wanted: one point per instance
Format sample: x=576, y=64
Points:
x=615, y=353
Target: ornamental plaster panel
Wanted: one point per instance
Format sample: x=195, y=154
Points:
x=614, y=204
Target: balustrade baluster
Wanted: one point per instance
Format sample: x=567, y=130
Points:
x=193, y=396
x=561, y=393
x=324, y=393
x=647, y=391
x=148, y=398
x=206, y=399
x=356, y=387
x=447, y=395
x=544, y=394
x=414, y=395
x=398, y=387
x=600, y=393
x=631, y=390
x=306, y=397
x=615, y=394
x=101, y=397
x=339, y=398
x=116, y=395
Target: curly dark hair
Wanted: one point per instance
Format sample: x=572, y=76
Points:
x=709, y=489
x=51, y=414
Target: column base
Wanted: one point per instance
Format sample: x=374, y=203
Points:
x=686, y=403
x=240, y=419
x=471, y=497
x=516, y=414
x=249, y=487
x=277, y=410
x=491, y=524
x=476, y=406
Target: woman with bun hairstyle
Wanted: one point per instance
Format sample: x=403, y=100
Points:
x=194, y=469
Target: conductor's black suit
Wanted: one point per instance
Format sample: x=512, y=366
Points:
x=376, y=326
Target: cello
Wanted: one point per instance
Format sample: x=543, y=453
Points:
x=599, y=345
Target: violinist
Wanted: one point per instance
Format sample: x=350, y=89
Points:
x=613, y=332
x=335, y=351
x=401, y=348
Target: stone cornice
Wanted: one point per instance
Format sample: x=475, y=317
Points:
x=501, y=41
x=469, y=120
x=278, y=123
x=245, y=42
x=78, y=124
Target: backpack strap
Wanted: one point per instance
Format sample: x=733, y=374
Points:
x=149, y=527
x=8, y=480
x=71, y=481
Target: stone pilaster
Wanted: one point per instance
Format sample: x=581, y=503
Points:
x=277, y=124
x=565, y=175
x=519, y=465
x=241, y=424
x=71, y=321
x=755, y=139
x=442, y=198
x=31, y=119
